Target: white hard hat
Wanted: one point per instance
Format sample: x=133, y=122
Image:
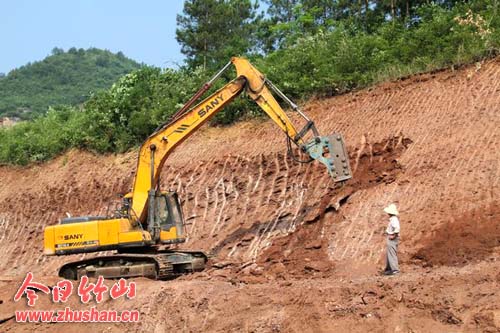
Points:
x=391, y=209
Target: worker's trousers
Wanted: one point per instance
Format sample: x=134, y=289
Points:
x=392, y=255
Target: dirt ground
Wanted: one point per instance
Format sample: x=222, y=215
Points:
x=292, y=252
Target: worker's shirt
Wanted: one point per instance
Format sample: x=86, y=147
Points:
x=393, y=226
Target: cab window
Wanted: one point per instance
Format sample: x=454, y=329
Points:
x=162, y=213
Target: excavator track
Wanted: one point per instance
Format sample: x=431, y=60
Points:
x=158, y=266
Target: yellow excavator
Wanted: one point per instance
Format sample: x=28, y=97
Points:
x=150, y=220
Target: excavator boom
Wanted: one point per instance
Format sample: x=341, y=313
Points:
x=159, y=145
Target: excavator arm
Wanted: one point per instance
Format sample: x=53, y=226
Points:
x=153, y=153
x=161, y=143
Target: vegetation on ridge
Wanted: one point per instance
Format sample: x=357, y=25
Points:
x=306, y=47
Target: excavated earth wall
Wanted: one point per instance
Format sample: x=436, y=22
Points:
x=291, y=251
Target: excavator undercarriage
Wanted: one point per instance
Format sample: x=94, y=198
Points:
x=162, y=265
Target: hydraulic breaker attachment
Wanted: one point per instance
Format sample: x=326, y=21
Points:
x=330, y=150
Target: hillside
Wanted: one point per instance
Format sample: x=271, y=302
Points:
x=292, y=253
x=61, y=78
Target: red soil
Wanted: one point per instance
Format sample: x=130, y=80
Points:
x=292, y=252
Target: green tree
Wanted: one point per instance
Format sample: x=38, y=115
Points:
x=278, y=24
x=211, y=31
x=57, y=50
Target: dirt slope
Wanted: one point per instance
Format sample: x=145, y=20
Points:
x=292, y=252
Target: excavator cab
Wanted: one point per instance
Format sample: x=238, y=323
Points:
x=168, y=216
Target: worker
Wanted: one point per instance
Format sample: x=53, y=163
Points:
x=392, y=232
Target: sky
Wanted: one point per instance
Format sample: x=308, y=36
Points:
x=142, y=30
